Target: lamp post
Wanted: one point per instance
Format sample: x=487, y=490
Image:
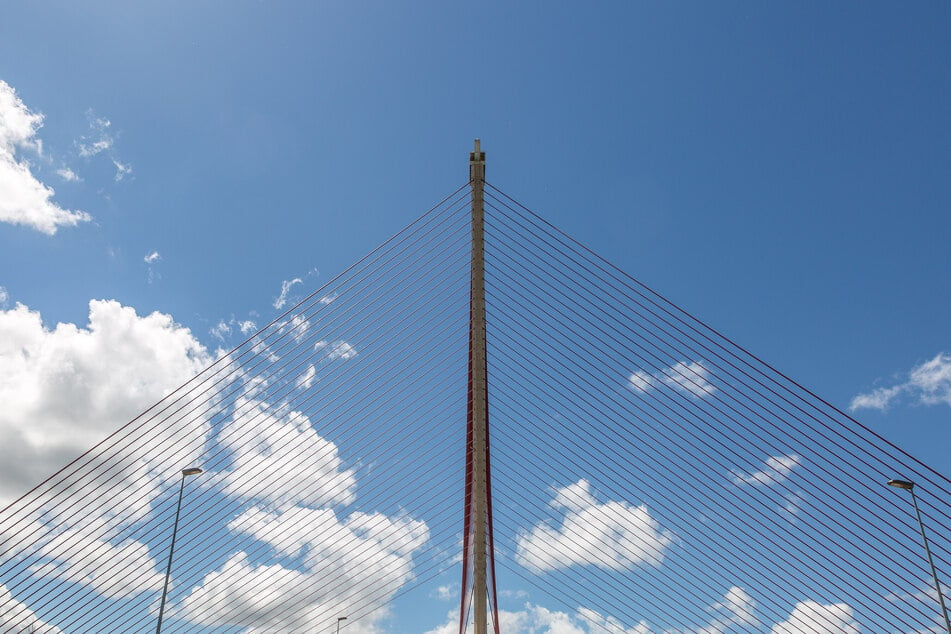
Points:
x=340, y=618
x=168, y=571
x=910, y=487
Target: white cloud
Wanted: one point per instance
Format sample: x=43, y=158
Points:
x=735, y=612
x=928, y=383
x=261, y=439
x=536, y=619
x=224, y=328
x=341, y=350
x=4, y=297
x=96, y=565
x=793, y=504
x=18, y=125
x=64, y=389
x=306, y=380
x=368, y=557
x=298, y=326
x=447, y=592
x=221, y=330
x=739, y=607
x=122, y=170
x=613, y=535
x=932, y=380
x=337, y=351
x=150, y=259
x=99, y=139
x=818, y=618
x=776, y=470
x=68, y=175
x=286, y=287
x=328, y=299
x=609, y=624
x=927, y=595
x=641, y=381
x=691, y=378
x=24, y=200
x=17, y=617
x=879, y=398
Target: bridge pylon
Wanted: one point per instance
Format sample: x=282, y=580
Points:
x=478, y=561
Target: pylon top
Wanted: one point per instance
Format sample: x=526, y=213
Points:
x=477, y=163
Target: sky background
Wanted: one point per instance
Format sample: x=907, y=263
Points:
x=779, y=171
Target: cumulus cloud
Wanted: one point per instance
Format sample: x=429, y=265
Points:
x=739, y=609
x=286, y=287
x=928, y=383
x=366, y=555
x=818, y=618
x=17, y=617
x=776, y=470
x=98, y=562
x=613, y=535
x=24, y=200
x=691, y=378
x=65, y=388
x=261, y=440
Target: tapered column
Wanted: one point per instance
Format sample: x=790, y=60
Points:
x=478, y=557
x=479, y=391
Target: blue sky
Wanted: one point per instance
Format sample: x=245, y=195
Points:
x=779, y=171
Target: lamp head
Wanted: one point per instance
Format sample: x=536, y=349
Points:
x=902, y=484
x=191, y=471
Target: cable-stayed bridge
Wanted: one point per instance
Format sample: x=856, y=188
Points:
x=484, y=397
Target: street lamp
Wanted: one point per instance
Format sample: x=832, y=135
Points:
x=340, y=618
x=168, y=571
x=910, y=487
